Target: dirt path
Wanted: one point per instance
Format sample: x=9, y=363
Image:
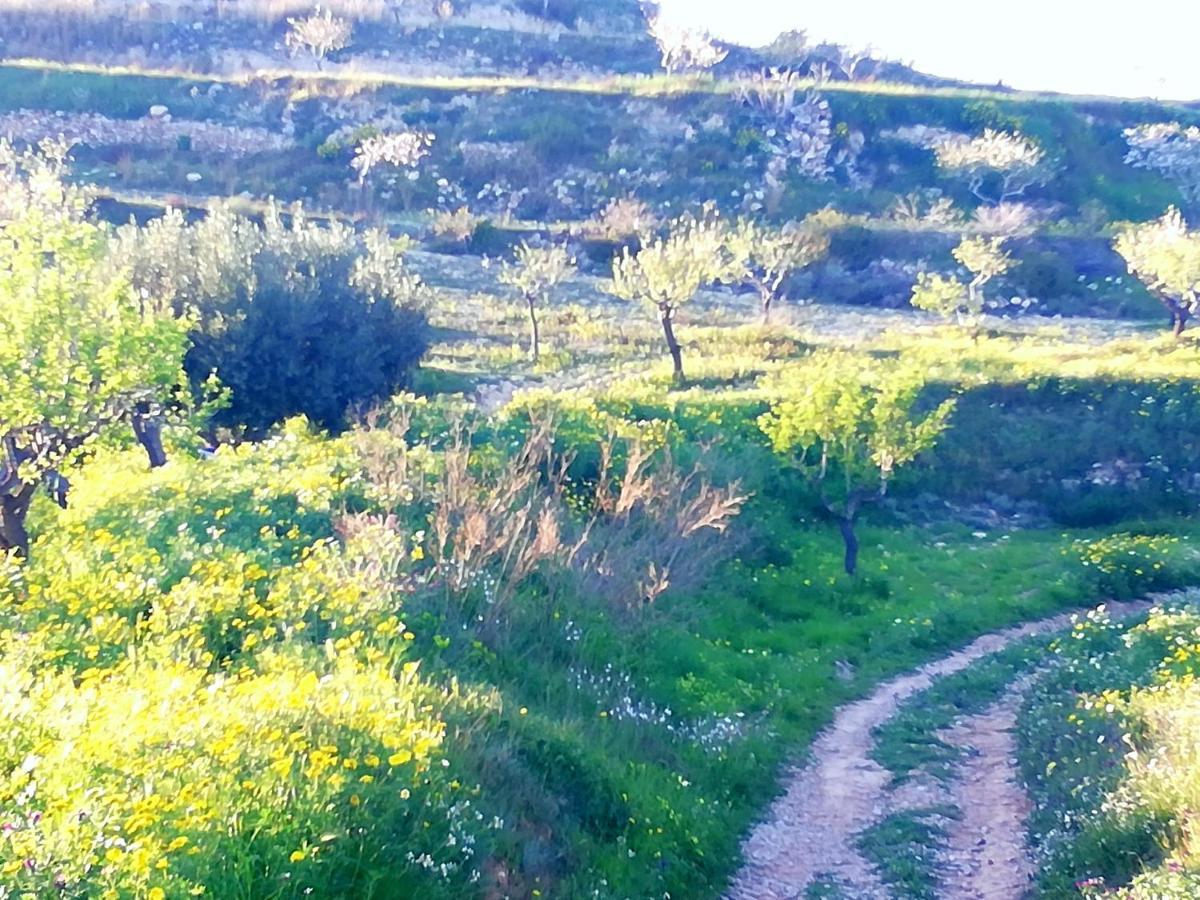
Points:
x=986, y=857
x=810, y=832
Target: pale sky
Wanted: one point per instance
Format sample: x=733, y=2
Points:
x=1130, y=48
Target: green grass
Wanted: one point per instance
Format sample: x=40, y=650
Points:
x=637, y=85
x=765, y=643
x=636, y=803
x=907, y=745
x=903, y=848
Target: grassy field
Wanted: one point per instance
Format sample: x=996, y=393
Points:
x=625, y=750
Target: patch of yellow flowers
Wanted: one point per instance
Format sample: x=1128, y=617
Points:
x=202, y=694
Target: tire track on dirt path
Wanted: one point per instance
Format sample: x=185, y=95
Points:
x=986, y=856
x=810, y=832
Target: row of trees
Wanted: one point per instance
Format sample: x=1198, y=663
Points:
x=700, y=251
x=1164, y=255
x=668, y=271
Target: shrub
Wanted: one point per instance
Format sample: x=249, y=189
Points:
x=623, y=219
x=317, y=349
x=488, y=240
x=857, y=247
x=557, y=139
x=457, y=226
x=1047, y=276
x=1126, y=565
x=565, y=12
x=295, y=318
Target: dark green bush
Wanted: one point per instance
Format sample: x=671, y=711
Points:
x=989, y=114
x=858, y=247
x=315, y=347
x=556, y=139
x=566, y=12
x=488, y=240
x=293, y=317
x=1045, y=276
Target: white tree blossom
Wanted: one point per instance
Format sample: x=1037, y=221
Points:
x=400, y=149
x=997, y=165
x=1171, y=150
x=320, y=34
x=684, y=49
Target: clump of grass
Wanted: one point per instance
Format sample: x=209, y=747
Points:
x=908, y=745
x=903, y=848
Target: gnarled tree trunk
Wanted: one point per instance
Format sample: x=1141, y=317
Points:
x=148, y=431
x=14, y=507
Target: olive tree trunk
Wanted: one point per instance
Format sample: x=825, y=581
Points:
x=535, y=333
x=850, y=539
x=668, y=326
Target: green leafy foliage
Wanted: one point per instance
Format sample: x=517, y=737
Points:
x=985, y=259
x=852, y=426
x=293, y=317
x=81, y=354
x=849, y=427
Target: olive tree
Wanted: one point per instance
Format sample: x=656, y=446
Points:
x=82, y=356
x=997, y=165
x=535, y=272
x=1165, y=256
x=949, y=296
x=295, y=317
x=320, y=34
x=766, y=257
x=848, y=425
x=668, y=272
